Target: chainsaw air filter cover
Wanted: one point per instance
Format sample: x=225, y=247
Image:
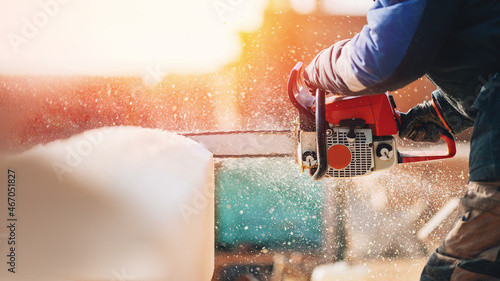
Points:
x=360, y=150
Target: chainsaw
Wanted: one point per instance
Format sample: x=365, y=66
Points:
x=335, y=136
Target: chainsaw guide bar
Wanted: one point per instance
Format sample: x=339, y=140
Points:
x=249, y=144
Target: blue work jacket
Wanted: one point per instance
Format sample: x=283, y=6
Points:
x=456, y=43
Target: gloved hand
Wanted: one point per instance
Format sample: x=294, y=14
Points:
x=307, y=82
x=322, y=73
x=422, y=123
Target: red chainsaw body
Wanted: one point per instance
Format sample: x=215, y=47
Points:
x=377, y=110
x=349, y=136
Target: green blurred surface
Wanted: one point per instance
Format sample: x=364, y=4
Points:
x=267, y=203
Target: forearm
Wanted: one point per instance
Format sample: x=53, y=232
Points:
x=396, y=47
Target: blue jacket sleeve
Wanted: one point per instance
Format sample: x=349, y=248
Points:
x=397, y=46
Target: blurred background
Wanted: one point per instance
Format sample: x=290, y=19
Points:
x=204, y=65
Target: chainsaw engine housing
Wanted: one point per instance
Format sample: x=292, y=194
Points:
x=349, y=157
x=359, y=137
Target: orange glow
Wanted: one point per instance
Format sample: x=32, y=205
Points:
x=123, y=37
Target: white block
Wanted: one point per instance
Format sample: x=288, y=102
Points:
x=121, y=203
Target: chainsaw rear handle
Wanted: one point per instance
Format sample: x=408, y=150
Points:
x=419, y=156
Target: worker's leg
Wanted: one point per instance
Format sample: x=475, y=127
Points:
x=471, y=250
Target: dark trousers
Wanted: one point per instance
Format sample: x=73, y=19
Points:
x=471, y=249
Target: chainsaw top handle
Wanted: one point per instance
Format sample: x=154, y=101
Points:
x=298, y=94
x=321, y=144
x=302, y=99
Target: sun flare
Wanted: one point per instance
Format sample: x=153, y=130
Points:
x=123, y=37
